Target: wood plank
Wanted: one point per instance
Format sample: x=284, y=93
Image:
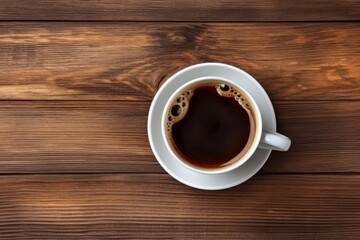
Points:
x=156, y=206
x=67, y=136
x=128, y=61
x=111, y=136
x=325, y=137
x=180, y=10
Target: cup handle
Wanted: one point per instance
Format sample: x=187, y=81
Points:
x=274, y=141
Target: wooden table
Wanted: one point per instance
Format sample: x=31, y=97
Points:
x=76, y=82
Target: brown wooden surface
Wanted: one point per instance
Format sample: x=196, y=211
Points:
x=76, y=82
x=111, y=136
x=155, y=206
x=180, y=10
x=128, y=61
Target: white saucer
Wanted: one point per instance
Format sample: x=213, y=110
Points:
x=175, y=169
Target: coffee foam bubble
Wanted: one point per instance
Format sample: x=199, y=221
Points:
x=179, y=108
x=234, y=93
x=180, y=105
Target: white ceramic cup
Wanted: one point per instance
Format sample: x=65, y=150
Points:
x=262, y=138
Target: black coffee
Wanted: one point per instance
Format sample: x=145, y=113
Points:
x=210, y=125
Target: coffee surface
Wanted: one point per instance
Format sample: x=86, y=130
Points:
x=210, y=125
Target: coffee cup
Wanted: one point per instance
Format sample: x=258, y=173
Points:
x=212, y=125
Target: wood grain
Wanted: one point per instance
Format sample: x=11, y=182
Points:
x=111, y=136
x=124, y=206
x=180, y=10
x=76, y=81
x=108, y=61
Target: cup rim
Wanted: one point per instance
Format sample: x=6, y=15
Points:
x=245, y=157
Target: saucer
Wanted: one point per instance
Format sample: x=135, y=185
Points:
x=185, y=175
